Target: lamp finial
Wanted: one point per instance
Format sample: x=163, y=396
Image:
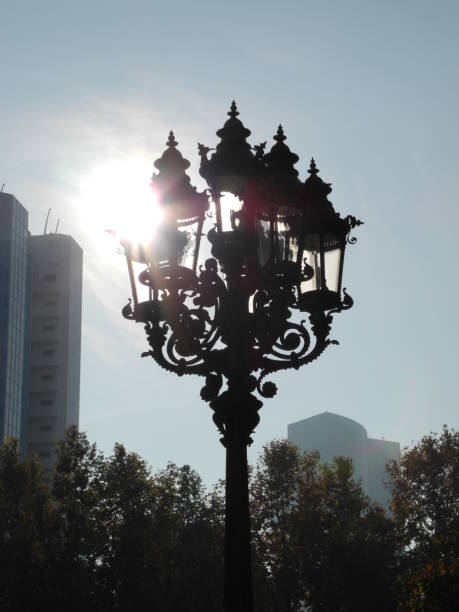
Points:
x=313, y=169
x=171, y=142
x=233, y=112
x=280, y=136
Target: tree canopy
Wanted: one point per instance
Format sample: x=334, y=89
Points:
x=109, y=534
x=425, y=503
x=318, y=540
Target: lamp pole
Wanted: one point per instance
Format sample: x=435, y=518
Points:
x=277, y=251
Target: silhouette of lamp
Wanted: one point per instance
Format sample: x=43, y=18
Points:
x=277, y=248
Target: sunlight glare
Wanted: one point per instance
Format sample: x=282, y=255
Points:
x=117, y=198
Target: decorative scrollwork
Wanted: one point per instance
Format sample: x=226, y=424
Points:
x=352, y=222
x=212, y=387
x=206, y=329
x=127, y=310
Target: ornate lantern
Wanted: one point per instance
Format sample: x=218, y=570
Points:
x=229, y=170
x=323, y=243
x=277, y=205
x=169, y=260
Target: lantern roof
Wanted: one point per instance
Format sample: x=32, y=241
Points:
x=233, y=155
x=315, y=183
x=172, y=161
x=176, y=194
x=320, y=214
x=233, y=129
x=280, y=160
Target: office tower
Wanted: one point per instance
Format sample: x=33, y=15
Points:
x=334, y=435
x=54, y=385
x=14, y=322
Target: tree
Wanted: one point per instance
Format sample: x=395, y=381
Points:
x=425, y=503
x=75, y=493
x=318, y=541
x=109, y=534
x=274, y=489
x=347, y=546
x=133, y=538
x=195, y=567
x=29, y=530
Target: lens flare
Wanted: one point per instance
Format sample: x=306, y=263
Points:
x=117, y=197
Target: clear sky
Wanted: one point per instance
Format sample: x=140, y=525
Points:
x=89, y=91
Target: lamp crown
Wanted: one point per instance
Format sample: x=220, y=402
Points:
x=233, y=155
x=172, y=183
x=233, y=130
x=172, y=161
x=280, y=160
x=315, y=182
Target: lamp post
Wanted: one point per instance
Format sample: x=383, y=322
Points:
x=278, y=250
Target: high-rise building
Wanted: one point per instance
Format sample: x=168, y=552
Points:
x=54, y=385
x=334, y=435
x=14, y=320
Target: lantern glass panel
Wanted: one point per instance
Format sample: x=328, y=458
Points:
x=264, y=239
x=278, y=232
x=164, y=247
x=287, y=232
x=187, y=243
x=311, y=257
x=332, y=269
x=230, y=207
x=175, y=246
x=141, y=292
x=329, y=277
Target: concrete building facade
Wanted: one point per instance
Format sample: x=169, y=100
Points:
x=14, y=319
x=334, y=435
x=54, y=385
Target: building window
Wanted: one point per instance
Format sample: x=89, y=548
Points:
x=46, y=427
x=44, y=454
x=49, y=327
x=47, y=352
x=49, y=303
x=46, y=402
x=50, y=278
x=47, y=377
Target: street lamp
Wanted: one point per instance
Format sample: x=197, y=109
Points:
x=276, y=249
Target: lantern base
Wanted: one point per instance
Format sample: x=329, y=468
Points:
x=282, y=273
x=235, y=244
x=313, y=301
x=169, y=277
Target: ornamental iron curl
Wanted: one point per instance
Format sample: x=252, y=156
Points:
x=202, y=329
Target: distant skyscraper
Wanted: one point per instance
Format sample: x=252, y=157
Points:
x=54, y=387
x=14, y=321
x=334, y=435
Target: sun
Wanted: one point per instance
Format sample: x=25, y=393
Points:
x=117, y=197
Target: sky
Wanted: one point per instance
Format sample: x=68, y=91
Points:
x=89, y=92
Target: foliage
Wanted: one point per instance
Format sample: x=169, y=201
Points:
x=28, y=529
x=318, y=541
x=107, y=534
x=425, y=504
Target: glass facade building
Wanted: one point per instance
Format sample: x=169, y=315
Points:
x=14, y=318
